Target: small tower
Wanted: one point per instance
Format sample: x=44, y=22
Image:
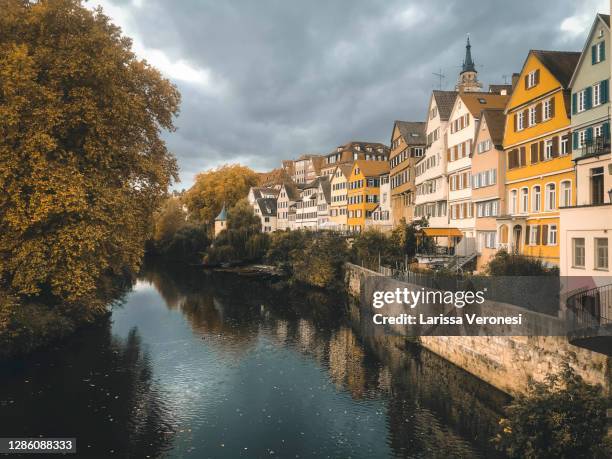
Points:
x=468, y=78
x=221, y=221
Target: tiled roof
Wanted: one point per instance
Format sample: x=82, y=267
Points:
x=373, y=168
x=326, y=187
x=267, y=206
x=479, y=101
x=496, y=121
x=445, y=101
x=413, y=132
x=560, y=63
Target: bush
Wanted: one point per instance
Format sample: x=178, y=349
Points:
x=283, y=246
x=505, y=264
x=188, y=244
x=563, y=417
x=321, y=262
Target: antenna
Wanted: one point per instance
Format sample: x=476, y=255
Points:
x=505, y=77
x=440, y=76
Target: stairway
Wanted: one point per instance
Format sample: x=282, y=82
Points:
x=461, y=261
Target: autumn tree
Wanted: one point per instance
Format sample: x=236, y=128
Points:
x=169, y=219
x=216, y=187
x=82, y=162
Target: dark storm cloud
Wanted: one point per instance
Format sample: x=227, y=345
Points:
x=293, y=77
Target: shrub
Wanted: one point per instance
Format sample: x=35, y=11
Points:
x=564, y=417
x=505, y=264
x=321, y=262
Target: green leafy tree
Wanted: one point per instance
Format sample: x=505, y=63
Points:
x=169, y=220
x=82, y=162
x=214, y=188
x=562, y=418
x=321, y=262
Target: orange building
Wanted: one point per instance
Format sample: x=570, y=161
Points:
x=539, y=171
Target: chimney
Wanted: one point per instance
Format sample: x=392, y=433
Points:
x=515, y=77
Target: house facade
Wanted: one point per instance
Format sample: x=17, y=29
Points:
x=265, y=209
x=381, y=217
x=307, y=168
x=431, y=187
x=364, y=191
x=288, y=195
x=323, y=203
x=338, y=211
x=306, y=212
x=586, y=227
x=407, y=147
x=539, y=170
x=352, y=151
x=488, y=186
x=460, y=135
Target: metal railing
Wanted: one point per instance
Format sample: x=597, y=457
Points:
x=593, y=307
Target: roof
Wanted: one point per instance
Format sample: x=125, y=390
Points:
x=478, y=101
x=445, y=101
x=560, y=63
x=292, y=191
x=326, y=188
x=259, y=191
x=496, y=121
x=498, y=88
x=222, y=215
x=413, y=132
x=434, y=232
x=346, y=169
x=372, y=168
x=308, y=156
x=267, y=206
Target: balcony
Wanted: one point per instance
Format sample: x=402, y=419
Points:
x=594, y=147
x=590, y=315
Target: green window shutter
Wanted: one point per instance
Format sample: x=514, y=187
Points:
x=593, y=54
x=606, y=131
x=588, y=97
x=589, y=134
x=574, y=103
x=575, y=140
x=604, y=91
x=602, y=51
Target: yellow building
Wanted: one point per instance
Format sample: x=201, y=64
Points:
x=537, y=147
x=364, y=191
x=339, y=184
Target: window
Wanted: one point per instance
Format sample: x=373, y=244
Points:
x=536, y=198
x=597, y=185
x=547, y=109
x=552, y=235
x=578, y=252
x=520, y=121
x=548, y=149
x=581, y=138
x=581, y=106
x=601, y=253
x=566, y=194
x=531, y=79
x=533, y=235
x=524, y=200
x=532, y=116
x=551, y=197
x=513, y=201
x=597, y=95
x=564, y=149
x=598, y=53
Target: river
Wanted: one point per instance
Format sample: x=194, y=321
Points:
x=196, y=364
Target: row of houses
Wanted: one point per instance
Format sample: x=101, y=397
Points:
x=524, y=167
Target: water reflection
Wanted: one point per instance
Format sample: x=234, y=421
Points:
x=211, y=365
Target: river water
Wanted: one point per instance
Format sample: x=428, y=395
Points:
x=195, y=364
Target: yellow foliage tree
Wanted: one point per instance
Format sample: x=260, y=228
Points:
x=82, y=163
x=216, y=187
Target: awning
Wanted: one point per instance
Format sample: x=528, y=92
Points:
x=442, y=232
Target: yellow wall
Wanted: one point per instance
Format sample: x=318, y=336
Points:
x=363, y=206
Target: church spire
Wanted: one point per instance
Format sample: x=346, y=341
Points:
x=468, y=63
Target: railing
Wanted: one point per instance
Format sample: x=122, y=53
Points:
x=438, y=250
x=592, y=147
x=593, y=307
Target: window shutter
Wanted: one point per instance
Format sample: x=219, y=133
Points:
x=526, y=83
x=589, y=134
x=527, y=231
x=525, y=117
x=575, y=140
x=538, y=113
x=534, y=153
x=541, y=150
x=523, y=156
x=467, y=119
x=515, y=122
x=538, y=232
x=602, y=51
x=574, y=103
x=603, y=88
x=448, y=154
x=537, y=76
x=588, y=98
x=544, y=234
x=552, y=107
x=606, y=131
x=555, y=147
x=593, y=54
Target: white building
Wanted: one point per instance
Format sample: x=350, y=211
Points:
x=382, y=217
x=288, y=195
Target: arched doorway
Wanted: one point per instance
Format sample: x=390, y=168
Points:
x=517, y=232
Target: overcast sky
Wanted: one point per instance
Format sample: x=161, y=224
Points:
x=270, y=79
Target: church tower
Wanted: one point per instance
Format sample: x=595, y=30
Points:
x=468, y=78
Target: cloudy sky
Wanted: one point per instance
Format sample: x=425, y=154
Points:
x=270, y=79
